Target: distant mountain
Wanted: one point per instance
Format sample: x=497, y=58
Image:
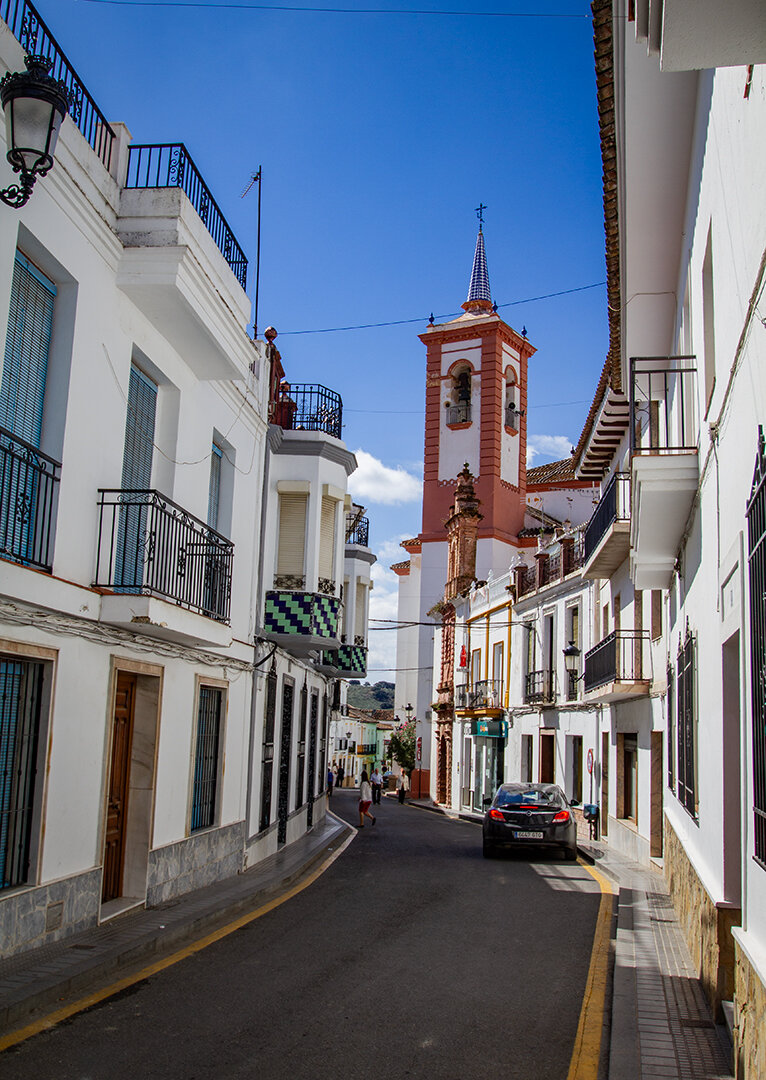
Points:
x=364, y=696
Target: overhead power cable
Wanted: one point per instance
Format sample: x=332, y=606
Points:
x=345, y=11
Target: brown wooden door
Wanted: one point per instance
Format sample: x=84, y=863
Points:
x=119, y=778
x=547, y=764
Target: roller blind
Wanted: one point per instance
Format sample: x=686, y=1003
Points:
x=359, y=619
x=139, y=432
x=292, y=534
x=25, y=367
x=327, y=537
x=214, y=493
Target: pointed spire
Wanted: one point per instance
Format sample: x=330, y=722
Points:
x=479, y=292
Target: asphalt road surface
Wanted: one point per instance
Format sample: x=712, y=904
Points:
x=411, y=957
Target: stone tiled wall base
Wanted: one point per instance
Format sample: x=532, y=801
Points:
x=749, y=1020
x=707, y=929
x=200, y=860
x=47, y=913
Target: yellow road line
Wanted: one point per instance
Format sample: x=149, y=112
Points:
x=49, y=1021
x=587, y=1046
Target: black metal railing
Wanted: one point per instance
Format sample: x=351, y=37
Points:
x=538, y=687
x=357, y=530
x=162, y=165
x=33, y=35
x=148, y=544
x=526, y=579
x=290, y=582
x=307, y=407
x=512, y=415
x=623, y=656
x=663, y=404
x=614, y=505
x=326, y=585
x=29, y=482
x=459, y=414
x=485, y=694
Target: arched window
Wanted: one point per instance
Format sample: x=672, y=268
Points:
x=459, y=404
x=512, y=401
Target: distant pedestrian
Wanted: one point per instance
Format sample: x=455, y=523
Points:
x=402, y=785
x=376, y=783
x=330, y=782
x=365, y=800
x=341, y=774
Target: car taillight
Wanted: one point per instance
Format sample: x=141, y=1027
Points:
x=561, y=817
x=498, y=815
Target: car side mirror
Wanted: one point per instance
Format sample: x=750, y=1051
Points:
x=486, y=801
x=574, y=802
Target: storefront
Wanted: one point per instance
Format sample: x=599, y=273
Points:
x=482, y=761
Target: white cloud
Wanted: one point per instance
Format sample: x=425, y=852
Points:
x=548, y=448
x=384, y=603
x=374, y=482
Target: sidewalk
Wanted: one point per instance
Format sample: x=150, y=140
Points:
x=661, y=1026
x=35, y=983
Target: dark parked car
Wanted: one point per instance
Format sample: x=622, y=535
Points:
x=527, y=815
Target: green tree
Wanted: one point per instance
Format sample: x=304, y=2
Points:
x=403, y=745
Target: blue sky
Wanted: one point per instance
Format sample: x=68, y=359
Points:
x=378, y=134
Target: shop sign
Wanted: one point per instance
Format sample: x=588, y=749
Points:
x=490, y=729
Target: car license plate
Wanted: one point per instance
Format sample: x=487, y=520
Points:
x=526, y=835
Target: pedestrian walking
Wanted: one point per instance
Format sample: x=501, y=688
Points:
x=376, y=783
x=341, y=774
x=402, y=785
x=330, y=782
x=365, y=800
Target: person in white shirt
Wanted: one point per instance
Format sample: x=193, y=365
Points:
x=376, y=782
x=365, y=800
x=402, y=785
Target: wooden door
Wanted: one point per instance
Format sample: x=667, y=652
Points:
x=119, y=779
x=547, y=763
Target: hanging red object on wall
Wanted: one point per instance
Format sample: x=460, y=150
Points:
x=463, y=657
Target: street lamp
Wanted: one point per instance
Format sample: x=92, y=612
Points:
x=409, y=709
x=35, y=105
x=571, y=657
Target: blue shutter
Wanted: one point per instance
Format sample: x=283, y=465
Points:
x=137, y=476
x=22, y=391
x=214, y=493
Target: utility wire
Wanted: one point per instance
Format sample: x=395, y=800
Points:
x=343, y=11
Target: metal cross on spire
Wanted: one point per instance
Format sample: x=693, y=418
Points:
x=480, y=214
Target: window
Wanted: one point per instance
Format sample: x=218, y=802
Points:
x=137, y=477
x=756, y=526
x=627, y=746
x=573, y=636
x=214, y=490
x=512, y=411
x=459, y=405
x=267, y=757
x=475, y=666
x=206, y=758
x=671, y=730
x=327, y=545
x=21, y=685
x=576, y=750
x=360, y=614
x=497, y=671
x=686, y=720
x=292, y=541
x=27, y=479
x=708, y=318
x=301, y=762
x=656, y=614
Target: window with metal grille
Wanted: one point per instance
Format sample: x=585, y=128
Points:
x=206, y=770
x=25, y=366
x=20, y=709
x=301, y=762
x=214, y=490
x=686, y=720
x=136, y=476
x=671, y=730
x=313, y=732
x=267, y=758
x=756, y=530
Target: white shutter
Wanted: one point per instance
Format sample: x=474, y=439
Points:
x=292, y=534
x=327, y=538
x=359, y=613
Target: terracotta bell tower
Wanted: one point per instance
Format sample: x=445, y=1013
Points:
x=476, y=400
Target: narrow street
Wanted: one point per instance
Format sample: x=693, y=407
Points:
x=412, y=956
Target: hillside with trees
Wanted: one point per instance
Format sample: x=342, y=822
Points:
x=364, y=696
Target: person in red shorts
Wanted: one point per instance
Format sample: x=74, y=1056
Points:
x=365, y=800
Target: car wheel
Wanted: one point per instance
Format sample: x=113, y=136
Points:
x=488, y=849
x=570, y=854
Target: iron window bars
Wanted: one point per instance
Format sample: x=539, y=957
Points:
x=33, y=35
x=538, y=687
x=756, y=528
x=357, y=530
x=148, y=544
x=161, y=165
x=20, y=710
x=686, y=721
x=205, y=783
x=29, y=483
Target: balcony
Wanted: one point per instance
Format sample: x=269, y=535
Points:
x=345, y=662
x=483, y=696
x=302, y=622
x=307, y=407
x=538, y=689
x=619, y=667
x=459, y=415
x=665, y=465
x=154, y=558
x=24, y=22
x=357, y=530
x=29, y=484
x=607, y=534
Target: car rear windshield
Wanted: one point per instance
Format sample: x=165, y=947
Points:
x=530, y=795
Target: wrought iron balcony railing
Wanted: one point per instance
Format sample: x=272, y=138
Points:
x=162, y=165
x=623, y=656
x=486, y=694
x=459, y=414
x=148, y=544
x=33, y=35
x=663, y=404
x=29, y=483
x=512, y=415
x=539, y=687
x=306, y=407
x=357, y=530
x=613, y=506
